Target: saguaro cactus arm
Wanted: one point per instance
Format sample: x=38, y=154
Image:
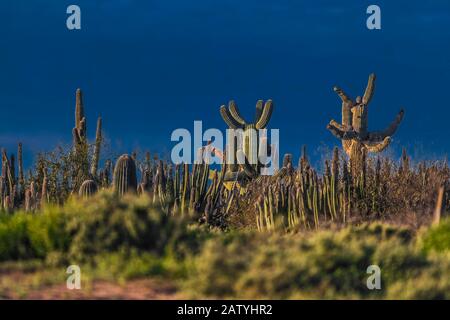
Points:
x=265, y=116
x=339, y=132
x=378, y=146
x=389, y=131
x=347, y=104
x=368, y=94
x=228, y=118
x=259, y=110
x=235, y=113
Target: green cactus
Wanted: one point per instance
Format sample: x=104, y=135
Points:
x=80, y=120
x=80, y=145
x=251, y=148
x=88, y=189
x=124, y=178
x=353, y=131
x=97, y=147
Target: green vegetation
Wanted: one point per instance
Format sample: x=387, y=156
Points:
x=121, y=238
x=304, y=232
x=437, y=238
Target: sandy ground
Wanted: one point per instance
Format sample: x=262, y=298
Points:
x=142, y=289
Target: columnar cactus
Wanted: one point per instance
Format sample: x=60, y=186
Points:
x=44, y=190
x=80, y=145
x=250, y=150
x=353, y=131
x=124, y=179
x=88, y=189
x=20, y=164
x=79, y=131
x=97, y=146
x=8, y=179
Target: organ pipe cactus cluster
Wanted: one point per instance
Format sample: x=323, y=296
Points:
x=353, y=131
x=299, y=197
x=251, y=147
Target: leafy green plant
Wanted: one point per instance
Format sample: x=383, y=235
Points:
x=437, y=238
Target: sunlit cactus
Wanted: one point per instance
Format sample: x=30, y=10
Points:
x=353, y=131
x=250, y=144
x=124, y=179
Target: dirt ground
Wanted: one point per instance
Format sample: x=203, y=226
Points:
x=17, y=285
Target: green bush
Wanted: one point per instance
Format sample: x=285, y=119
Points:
x=26, y=236
x=108, y=223
x=84, y=228
x=326, y=264
x=437, y=238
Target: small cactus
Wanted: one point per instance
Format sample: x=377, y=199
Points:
x=124, y=179
x=88, y=189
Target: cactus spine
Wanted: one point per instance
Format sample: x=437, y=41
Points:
x=353, y=131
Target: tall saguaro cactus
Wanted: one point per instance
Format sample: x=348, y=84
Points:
x=80, y=144
x=353, y=131
x=251, y=147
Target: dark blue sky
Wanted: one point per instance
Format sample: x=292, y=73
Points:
x=148, y=67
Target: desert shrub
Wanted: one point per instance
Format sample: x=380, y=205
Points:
x=108, y=223
x=326, y=264
x=430, y=283
x=84, y=228
x=126, y=264
x=25, y=236
x=437, y=238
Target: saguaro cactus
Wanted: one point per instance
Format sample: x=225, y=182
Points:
x=80, y=145
x=79, y=131
x=353, y=131
x=124, y=179
x=234, y=120
x=97, y=146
